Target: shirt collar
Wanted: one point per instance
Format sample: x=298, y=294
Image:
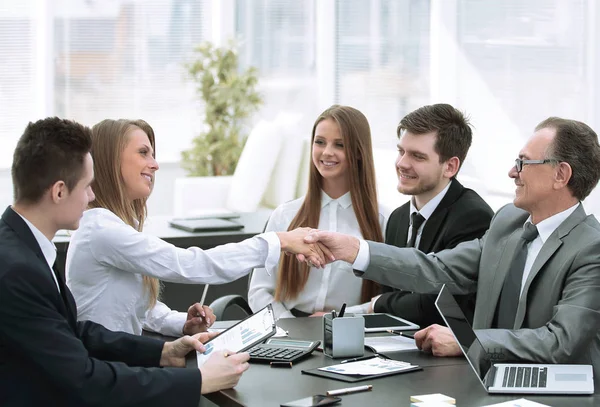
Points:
x=344, y=201
x=48, y=248
x=427, y=209
x=548, y=226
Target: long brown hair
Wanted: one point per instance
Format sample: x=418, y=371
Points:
x=109, y=138
x=356, y=135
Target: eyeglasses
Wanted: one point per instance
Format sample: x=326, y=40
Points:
x=519, y=162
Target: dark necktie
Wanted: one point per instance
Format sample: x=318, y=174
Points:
x=511, y=290
x=416, y=220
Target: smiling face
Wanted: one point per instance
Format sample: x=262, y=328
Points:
x=138, y=165
x=328, y=153
x=418, y=166
x=534, y=184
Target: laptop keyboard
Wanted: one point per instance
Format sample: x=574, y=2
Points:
x=515, y=376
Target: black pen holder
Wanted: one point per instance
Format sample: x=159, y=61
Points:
x=343, y=337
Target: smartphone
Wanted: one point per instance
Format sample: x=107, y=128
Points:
x=313, y=401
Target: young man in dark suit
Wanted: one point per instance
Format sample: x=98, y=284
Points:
x=433, y=143
x=47, y=357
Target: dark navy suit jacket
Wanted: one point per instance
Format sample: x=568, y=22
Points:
x=462, y=215
x=47, y=358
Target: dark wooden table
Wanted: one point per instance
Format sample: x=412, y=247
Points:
x=264, y=386
x=181, y=296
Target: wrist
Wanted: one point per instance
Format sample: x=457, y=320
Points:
x=282, y=240
x=164, y=355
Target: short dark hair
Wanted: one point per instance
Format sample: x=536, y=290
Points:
x=576, y=144
x=49, y=150
x=454, y=134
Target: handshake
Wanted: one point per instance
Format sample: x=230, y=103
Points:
x=318, y=248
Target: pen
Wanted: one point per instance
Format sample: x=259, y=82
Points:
x=359, y=359
x=342, y=310
x=333, y=314
x=412, y=336
x=349, y=390
x=204, y=294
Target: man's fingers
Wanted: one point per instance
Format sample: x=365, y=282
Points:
x=327, y=254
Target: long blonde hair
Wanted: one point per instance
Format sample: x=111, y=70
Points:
x=109, y=138
x=356, y=135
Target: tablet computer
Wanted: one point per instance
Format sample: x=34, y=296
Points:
x=205, y=225
x=384, y=322
x=243, y=335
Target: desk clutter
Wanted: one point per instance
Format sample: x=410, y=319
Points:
x=432, y=400
x=363, y=368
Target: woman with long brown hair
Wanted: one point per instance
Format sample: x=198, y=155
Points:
x=113, y=267
x=342, y=197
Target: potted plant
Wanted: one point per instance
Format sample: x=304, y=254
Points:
x=230, y=97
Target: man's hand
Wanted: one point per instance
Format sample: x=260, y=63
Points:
x=318, y=314
x=340, y=246
x=173, y=353
x=294, y=242
x=223, y=370
x=438, y=340
x=199, y=319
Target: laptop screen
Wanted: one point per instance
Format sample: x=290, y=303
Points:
x=463, y=332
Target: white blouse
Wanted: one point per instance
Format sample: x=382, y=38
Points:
x=327, y=288
x=107, y=258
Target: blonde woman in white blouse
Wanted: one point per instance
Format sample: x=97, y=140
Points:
x=341, y=197
x=113, y=268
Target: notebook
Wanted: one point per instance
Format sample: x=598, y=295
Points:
x=511, y=378
x=205, y=225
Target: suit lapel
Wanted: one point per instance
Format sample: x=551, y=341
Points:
x=548, y=249
x=433, y=224
x=19, y=226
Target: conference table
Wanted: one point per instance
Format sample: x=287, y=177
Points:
x=264, y=386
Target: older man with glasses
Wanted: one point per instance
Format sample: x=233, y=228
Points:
x=537, y=269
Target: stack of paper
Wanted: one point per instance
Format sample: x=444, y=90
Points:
x=373, y=366
x=383, y=344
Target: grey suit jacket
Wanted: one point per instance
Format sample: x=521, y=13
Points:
x=558, y=316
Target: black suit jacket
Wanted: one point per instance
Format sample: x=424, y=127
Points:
x=462, y=215
x=47, y=358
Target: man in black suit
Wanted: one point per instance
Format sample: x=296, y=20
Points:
x=47, y=357
x=433, y=143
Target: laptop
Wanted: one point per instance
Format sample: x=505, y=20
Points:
x=511, y=377
x=206, y=225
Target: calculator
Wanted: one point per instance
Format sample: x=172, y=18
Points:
x=282, y=350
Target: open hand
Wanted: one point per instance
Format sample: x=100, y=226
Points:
x=223, y=370
x=173, y=353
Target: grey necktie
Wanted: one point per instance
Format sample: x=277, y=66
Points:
x=511, y=290
x=416, y=220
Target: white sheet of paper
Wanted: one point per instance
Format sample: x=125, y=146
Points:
x=396, y=343
x=518, y=403
x=373, y=366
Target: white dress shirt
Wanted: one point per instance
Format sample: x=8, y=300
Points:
x=107, y=258
x=48, y=248
x=426, y=212
x=545, y=229
x=327, y=288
